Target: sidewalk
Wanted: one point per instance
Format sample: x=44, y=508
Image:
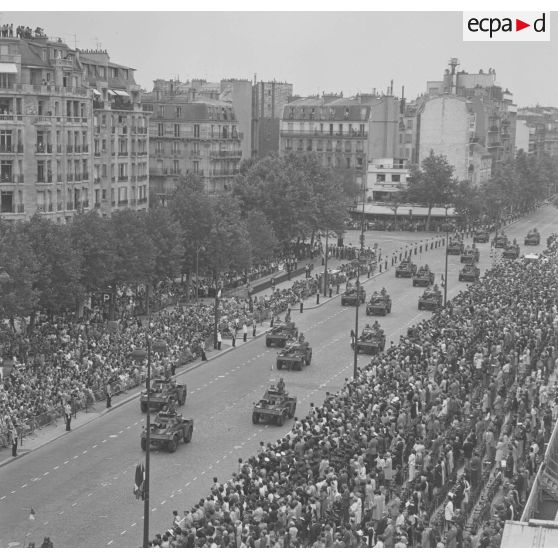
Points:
x=56, y=430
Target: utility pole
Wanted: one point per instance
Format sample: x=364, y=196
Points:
x=325, y=261
x=357, y=304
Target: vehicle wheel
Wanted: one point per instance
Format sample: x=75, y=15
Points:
x=389, y=309
x=279, y=364
x=188, y=437
x=143, y=407
x=384, y=312
x=172, y=444
x=301, y=365
x=268, y=342
x=280, y=420
x=144, y=444
x=255, y=418
x=292, y=413
x=309, y=359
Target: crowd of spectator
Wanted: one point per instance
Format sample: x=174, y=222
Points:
x=72, y=361
x=399, y=456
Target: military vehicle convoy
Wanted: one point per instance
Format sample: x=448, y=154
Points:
x=280, y=334
x=295, y=356
x=470, y=255
x=405, y=269
x=469, y=273
x=162, y=390
x=372, y=340
x=167, y=430
x=423, y=277
x=379, y=304
x=350, y=296
x=533, y=238
x=276, y=406
x=431, y=299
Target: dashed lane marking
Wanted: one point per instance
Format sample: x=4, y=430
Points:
x=74, y=504
x=75, y=456
x=90, y=494
x=123, y=532
x=83, y=452
x=113, y=436
x=23, y=485
x=66, y=462
x=110, y=542
x=56, y=468
x=94, y=446
x=13, y=492
x=153, y=509
x=163, y=503
x=133, y=524
x=46, y=474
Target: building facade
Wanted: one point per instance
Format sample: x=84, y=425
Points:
x=268, y=101
x=537, y=131
x=120, y=135
x=198, y=136
x=345, y=133
x=386, y=180
x=47, y=130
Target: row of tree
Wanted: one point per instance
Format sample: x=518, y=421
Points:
x=516, y=186
x=51, y=267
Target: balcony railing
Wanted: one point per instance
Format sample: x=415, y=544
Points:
x=69, y=206
x=58, y=149
x=324, y=133
x=96, y=180
x=142, y=200
x=122, y=153
x=133, y=202
x=8, y=149
x=225, y=154
x=70, y=177
x=59, y=178
x=122, y=178
x=85, y=204
x=77, y=148
x=69, y=149
x=122, y=202
x=59, y=206
x=41, y=148
x=97, y=153
x=85, y=148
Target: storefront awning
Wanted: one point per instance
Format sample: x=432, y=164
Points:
x=8, y=68
x=95, y=92
x=121, y=93
x=113, y=93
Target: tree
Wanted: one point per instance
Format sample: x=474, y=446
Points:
x=18, y=296
x=262, y=238
x=191, y=208
x=57, y=281
x=91, y=237
x=432, y=184
x=228, y=243
x=166, y=235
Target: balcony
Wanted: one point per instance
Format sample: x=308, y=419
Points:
x=97, y=129
x=142, y=200
x=42, y=148
x=97, y=205
x=69, y=149
x=96, y=180
x=113, y=179
x=58, y=149
x=77, y=149
x=123, y=130
x=97, y=153
x=69, y=206
x=69, y=177
x=59, y=206
x=85, y=148
x=142, y=130
x=122, y=178
x=85, y=176
x=59, y=178
x=133, y=202
x=236, y=153
x=122, y=153
x=8, y=149
x=85, y=204
x=122, y=203
x=323, y=133
x=8, y=178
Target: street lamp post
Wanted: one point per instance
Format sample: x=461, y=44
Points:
x=325, y=261
x=357, y=304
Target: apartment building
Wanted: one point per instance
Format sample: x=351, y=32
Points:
x=345, y=133
x=51, y=100
x=191, y=134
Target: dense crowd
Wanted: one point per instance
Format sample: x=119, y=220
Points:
x=64, y=361
x=398, y=457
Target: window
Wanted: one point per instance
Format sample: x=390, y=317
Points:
x=178, y=112
x=41, y=171
x=5, y=141
x=396, y=178
x=162, y=111
x=196, y=166
x=196, y=130
x=409, y=124
x=348, y=162
x=175, y=166
x=381, y=178
x=160, y=130
x=177, y=130
x=6, y=171
x=122, y=171
x=159, y=147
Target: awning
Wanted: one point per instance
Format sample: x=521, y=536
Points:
x=8, y=68
x=113, y=93
x=121, y=93
x=95, y=92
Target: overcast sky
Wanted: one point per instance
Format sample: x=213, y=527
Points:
x=315, y=51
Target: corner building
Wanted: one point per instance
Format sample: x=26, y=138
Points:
x=51, y=96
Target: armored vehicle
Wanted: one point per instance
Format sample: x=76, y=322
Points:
x=167, y=430
x=350, y=296
x=379, y=304
x=431, y=299
x=275, y=406
x=162, y=390
x=372, y=339
x=533, y=238
x=423, y=278
x=280, y=334
x=500, y=241
x=469, y=273
x=470, y=255
x=405, y=269
x=455, y=247
x=294, y=356
x=481, y=236
x=511, y=252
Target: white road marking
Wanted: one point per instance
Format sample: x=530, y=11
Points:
x=46, y=474
x=83, y=452
x=76, y=456
x=94, y=446
x=90, y=494
x=13, y=492
x=128, y=427
x=123, y=532
x=163, y=503
x=133, y=524
x=74, y=504
x=45, y=523
x=3, y=497
x=61, y=513
x=66, y=462
x=23, y=486
x=112, y=436
x=110, y=542
x=56, y=468
x=121, y=432
x=154, y=509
